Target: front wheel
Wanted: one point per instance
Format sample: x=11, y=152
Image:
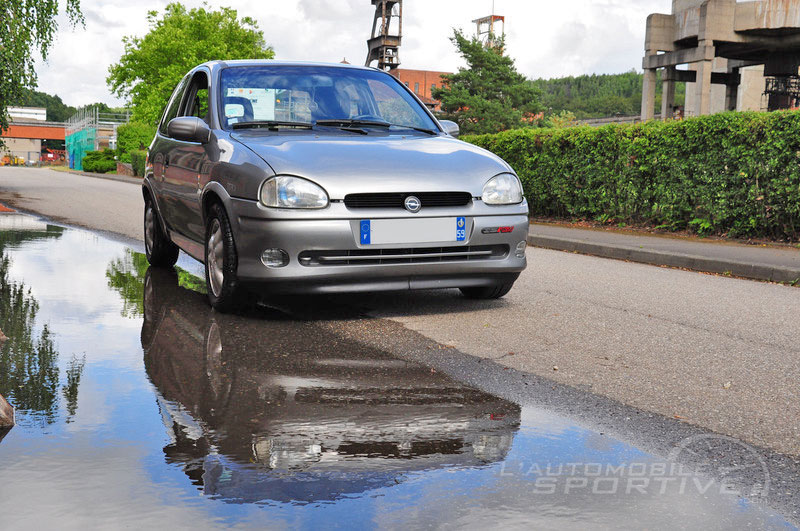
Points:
x=222, y=282
x=487, y=292
x=158, y=248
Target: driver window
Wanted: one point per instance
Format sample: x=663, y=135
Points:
x=172, y=107
x=390, y=105
x=197, y=98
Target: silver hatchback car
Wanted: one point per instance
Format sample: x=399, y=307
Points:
x=318, y=178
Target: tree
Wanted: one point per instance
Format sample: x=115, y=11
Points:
x=26, y=26
x=489, y=95
x=57, y=110
x=133, y=136
x=179, y=40
x=104, y=108
x=599, y=95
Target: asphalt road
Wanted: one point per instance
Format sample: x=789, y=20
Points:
x=98, y=204
x=713, y=352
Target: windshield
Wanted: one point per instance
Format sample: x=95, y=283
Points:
x=311, y=94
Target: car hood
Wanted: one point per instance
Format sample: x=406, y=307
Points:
x=350, y=163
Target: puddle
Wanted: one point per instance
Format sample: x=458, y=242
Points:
x=138, y=405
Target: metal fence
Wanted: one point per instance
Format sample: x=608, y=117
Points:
x=597, y=122
x=91, y=130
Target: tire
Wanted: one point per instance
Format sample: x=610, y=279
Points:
x=160, y=251
x=222, y=283
x=487, y=292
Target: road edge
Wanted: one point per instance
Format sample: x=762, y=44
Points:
x=111, y=177
x=755, y=271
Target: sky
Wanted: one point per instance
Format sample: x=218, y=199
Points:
x=545, y=38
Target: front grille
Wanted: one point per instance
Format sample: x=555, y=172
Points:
x=418, y=255
x=395, y=200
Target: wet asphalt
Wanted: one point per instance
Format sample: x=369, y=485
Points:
x=651, y=356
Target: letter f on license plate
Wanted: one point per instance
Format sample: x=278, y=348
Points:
x=366, y=232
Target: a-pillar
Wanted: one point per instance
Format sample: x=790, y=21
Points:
x=668, y=93
x=648, y=94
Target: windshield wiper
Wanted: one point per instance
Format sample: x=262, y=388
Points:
x=420, y=129
x=271, y=124
x=346, y=122
x=349, y=122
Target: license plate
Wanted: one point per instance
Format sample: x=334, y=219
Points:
x=423, y=230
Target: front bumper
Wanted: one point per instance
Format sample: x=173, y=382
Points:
x=318, y=241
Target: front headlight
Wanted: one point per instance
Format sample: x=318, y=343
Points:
x=285, y=191
x=504, y=189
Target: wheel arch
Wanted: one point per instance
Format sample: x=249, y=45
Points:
x=214, y=192
x=148, y=193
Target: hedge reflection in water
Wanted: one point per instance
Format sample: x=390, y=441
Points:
x=126, y=274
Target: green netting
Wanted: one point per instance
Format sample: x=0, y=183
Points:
x=77, y=144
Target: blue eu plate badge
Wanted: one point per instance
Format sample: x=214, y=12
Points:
x=461, y=229
x=365, y=232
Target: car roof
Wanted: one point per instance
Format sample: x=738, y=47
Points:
x=214, y=65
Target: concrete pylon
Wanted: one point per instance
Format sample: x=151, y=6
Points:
x=668, y=93
x=648, y=94
x=702, y=87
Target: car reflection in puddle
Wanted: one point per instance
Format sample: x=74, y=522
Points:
x=253, y=418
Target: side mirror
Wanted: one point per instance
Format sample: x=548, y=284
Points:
x=189, y=129
x=450, y=127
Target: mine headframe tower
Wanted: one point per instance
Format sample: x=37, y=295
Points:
x=387, y=33
x=490, y=29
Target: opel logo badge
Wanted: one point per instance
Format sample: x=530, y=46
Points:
x=413, y=204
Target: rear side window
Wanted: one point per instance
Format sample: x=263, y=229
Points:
x=173, y=106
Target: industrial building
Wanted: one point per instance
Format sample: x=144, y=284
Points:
x=731, y=55
x=422, y=82
x=31, y=139
x=26, y=134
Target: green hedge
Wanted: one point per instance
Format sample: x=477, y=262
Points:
x=100, y=161
x=137, y=162
x=734, y=174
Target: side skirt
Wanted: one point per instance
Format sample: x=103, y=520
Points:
x=190, y=247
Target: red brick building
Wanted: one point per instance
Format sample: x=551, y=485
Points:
x=422, y=82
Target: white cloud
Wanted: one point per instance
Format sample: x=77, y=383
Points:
x=546, y=39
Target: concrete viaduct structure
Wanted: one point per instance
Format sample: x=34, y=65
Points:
x=717, y=39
